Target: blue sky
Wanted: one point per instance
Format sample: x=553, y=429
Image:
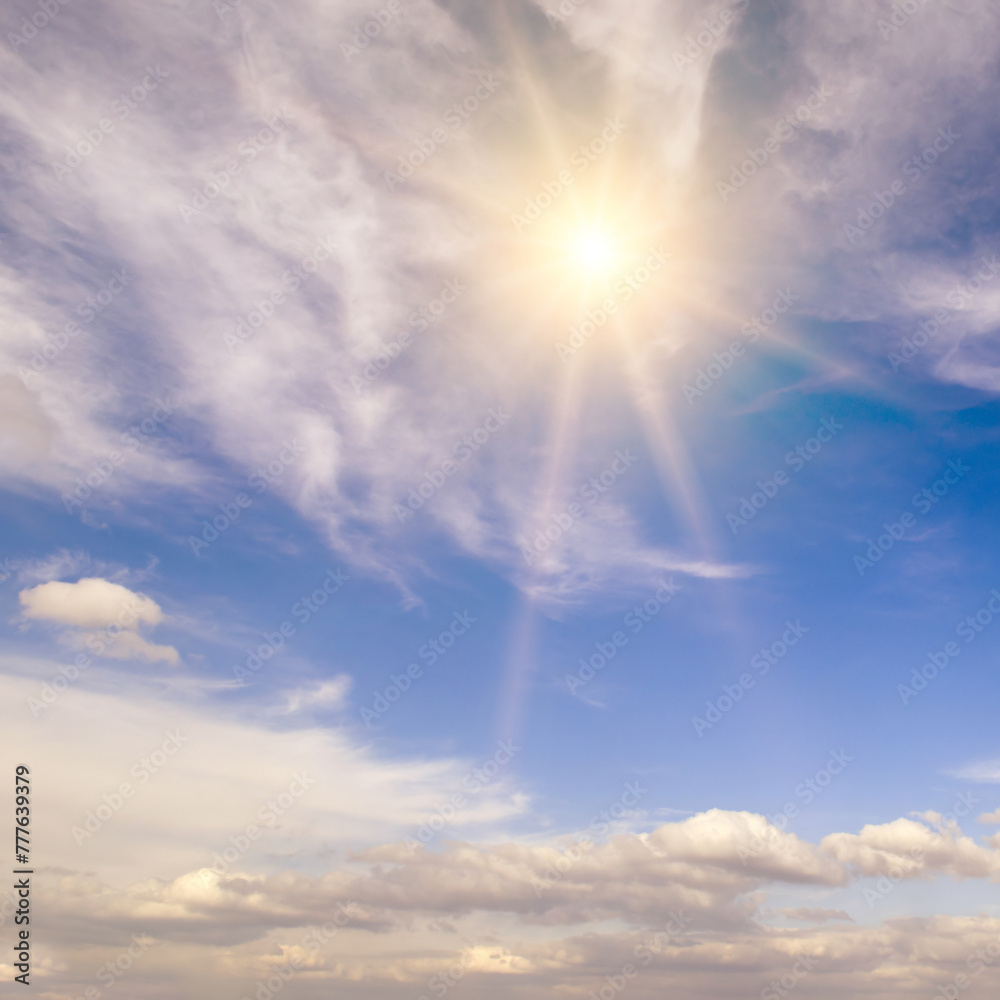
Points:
x=358, y=394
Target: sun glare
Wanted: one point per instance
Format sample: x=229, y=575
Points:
x=595, y=251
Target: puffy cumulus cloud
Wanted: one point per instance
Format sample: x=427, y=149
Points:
x=89, y=603
x=242, y=880
x=907, y=849
x=639, y=879
x=255, y=927
x=993, y=817
x=94, y=603
x=760, y=849
x=886, y=961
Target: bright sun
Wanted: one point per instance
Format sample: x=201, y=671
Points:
x=595, y=251
x=586, y=242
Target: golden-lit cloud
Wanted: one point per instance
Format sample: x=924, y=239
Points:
x=113, y=610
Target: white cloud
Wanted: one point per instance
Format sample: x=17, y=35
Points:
x=986, y=772
x=413, y=912
x=132, y=646
x=364, y=452
x=908, y=849
x=325, y=694
x=94, y=603
x=215, y=785
x=89, y=603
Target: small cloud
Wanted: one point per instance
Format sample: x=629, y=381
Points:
x=94, y=603
x=986, y=772
x=588, y=697
x=993, y=817
x=89, y=603
x=132, y=646
x=327, y=694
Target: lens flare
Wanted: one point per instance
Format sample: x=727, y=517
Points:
x=595, y=251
